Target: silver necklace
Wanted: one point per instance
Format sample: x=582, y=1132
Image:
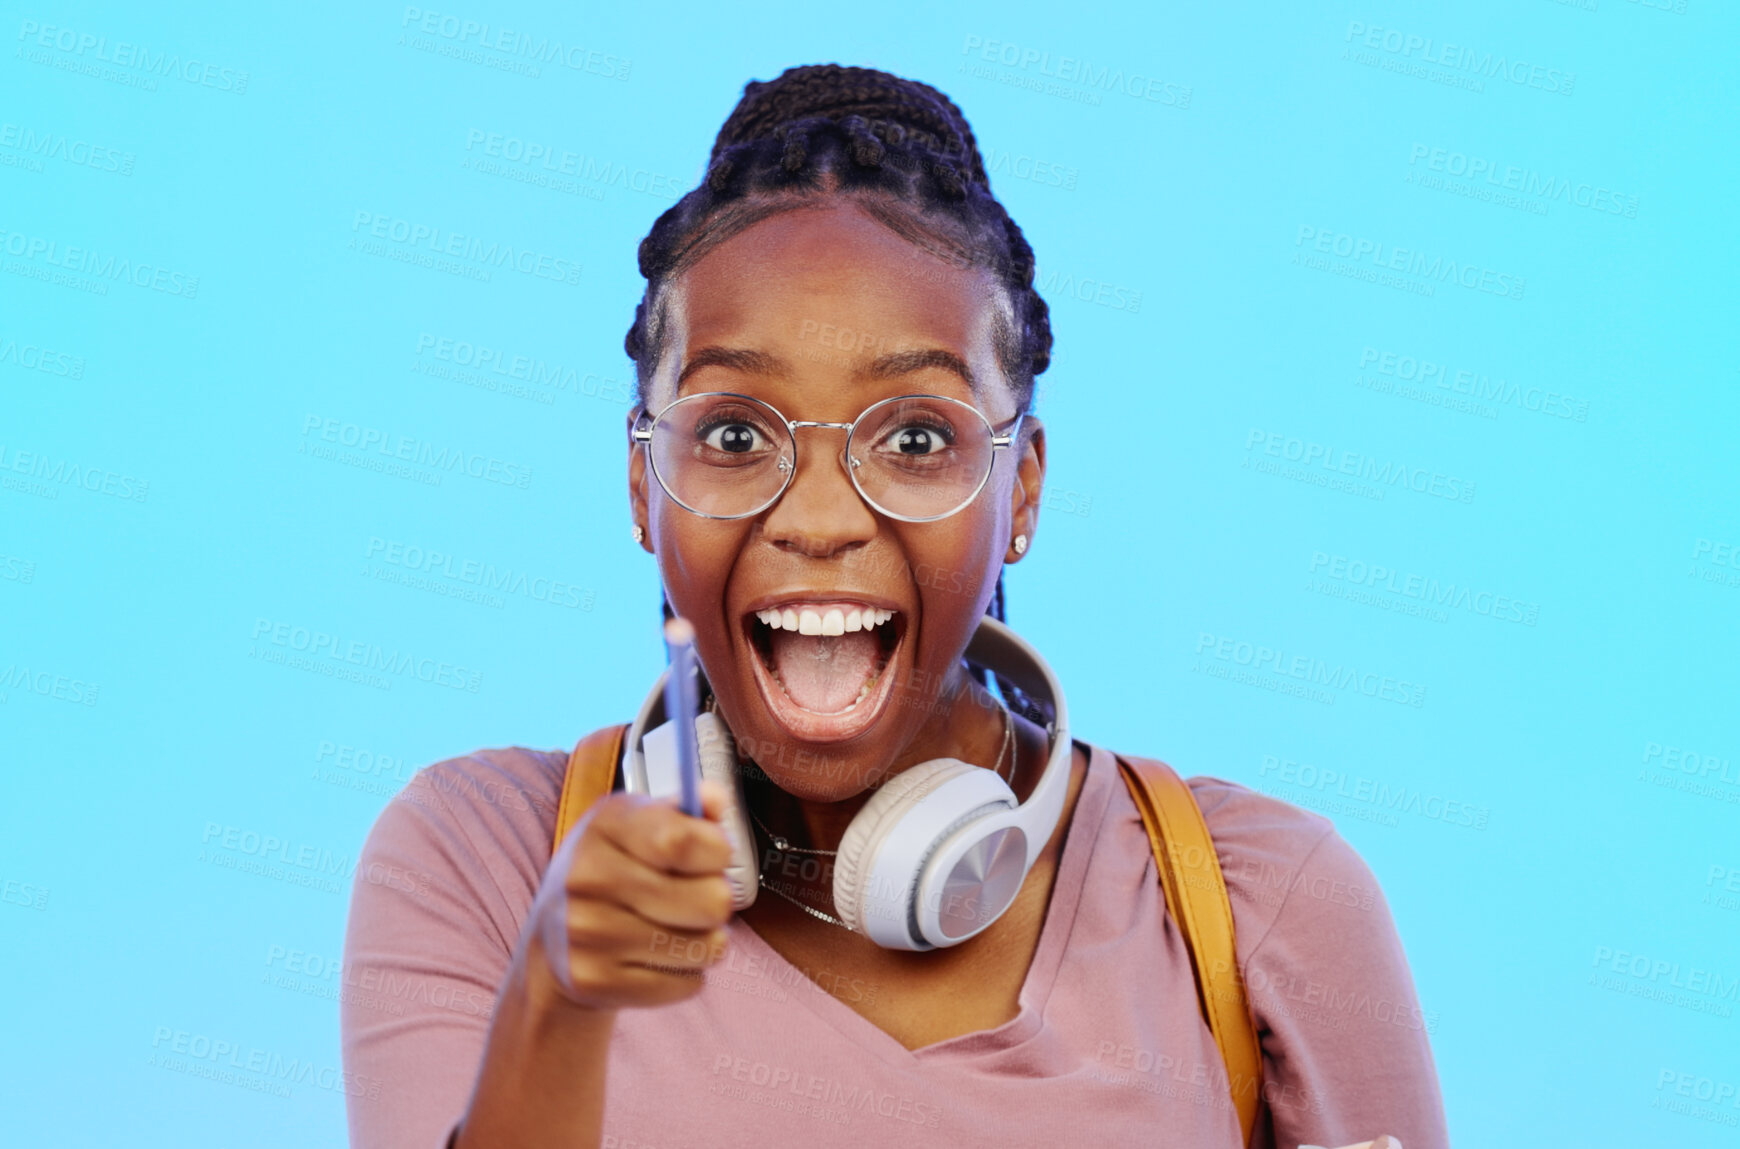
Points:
x=780, y=844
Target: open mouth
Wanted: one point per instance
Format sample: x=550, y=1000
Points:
x=823, y=665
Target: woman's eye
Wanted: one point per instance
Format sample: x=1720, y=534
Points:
x=734, y=438
x=917, y=441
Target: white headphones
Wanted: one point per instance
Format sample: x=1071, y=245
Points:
x=937, y=854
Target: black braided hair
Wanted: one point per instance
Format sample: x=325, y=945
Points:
x=898, y=148
x=903, y=152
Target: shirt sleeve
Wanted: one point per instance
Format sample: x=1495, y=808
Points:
x=1346, y=1055
x=441, y=889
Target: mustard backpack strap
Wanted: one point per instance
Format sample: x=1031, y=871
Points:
x=591, y=774
x=1196, y=898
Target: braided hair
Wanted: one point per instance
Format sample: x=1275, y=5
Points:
x=897, y=148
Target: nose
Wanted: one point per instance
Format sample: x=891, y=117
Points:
x=821, y=513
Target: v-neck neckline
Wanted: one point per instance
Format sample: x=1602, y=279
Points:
x=1054, y=932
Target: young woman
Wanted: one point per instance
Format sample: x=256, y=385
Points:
x=832, y=461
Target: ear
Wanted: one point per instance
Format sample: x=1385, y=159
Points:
x=1029, y=486
x=638, y=478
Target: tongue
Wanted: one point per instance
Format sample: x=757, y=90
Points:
x=823, y=673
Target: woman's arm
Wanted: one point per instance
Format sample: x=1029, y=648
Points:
x=630, y=912
x=478, y=972
x=542, y=1078
x=441, y=891
x=1346, y=1049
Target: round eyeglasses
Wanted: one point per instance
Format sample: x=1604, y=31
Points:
x=916, y=458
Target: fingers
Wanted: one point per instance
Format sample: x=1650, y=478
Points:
x=662, y=837
x=682, y=952
x=614, y=957
x=715, y=799
x=663, y=901
x=633, y=909
x=601, y=928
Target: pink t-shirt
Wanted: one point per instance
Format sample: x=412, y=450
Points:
x=1109, y=1046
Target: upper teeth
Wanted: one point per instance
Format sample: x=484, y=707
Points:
x=829, y=620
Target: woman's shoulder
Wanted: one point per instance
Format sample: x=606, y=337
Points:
x=1241, y=817
x=1274, y=856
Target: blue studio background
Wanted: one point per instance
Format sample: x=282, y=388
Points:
x=1393, y=444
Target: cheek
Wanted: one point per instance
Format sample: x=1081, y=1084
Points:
x=956, y=574
x=696, y=557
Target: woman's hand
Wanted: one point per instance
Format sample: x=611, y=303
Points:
x=633, y=907
x=630, y=912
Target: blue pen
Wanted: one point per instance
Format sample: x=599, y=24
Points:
x=680, y=704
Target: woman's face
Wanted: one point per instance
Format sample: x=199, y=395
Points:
x=820, y=313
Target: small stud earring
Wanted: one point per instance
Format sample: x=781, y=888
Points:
x=1020, y=544
x=637, y=532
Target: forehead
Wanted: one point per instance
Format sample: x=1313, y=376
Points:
x=823, y=287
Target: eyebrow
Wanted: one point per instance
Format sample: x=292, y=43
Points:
x=884, y=367
x=908, y=362
x=752, y=362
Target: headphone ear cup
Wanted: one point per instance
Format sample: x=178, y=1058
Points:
x=719, y=762
x=872, y=826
